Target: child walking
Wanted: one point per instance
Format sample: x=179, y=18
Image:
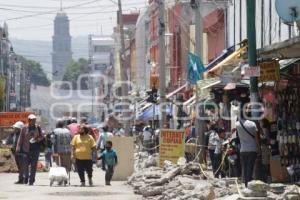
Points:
x=109, y=161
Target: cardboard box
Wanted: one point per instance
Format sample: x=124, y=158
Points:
x=278, y=173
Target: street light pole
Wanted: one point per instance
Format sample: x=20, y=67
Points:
x=252, y=55
x=199, y=124
x=162, y=70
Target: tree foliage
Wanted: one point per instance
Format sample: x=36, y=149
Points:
x=73, y=72
x=36, y=73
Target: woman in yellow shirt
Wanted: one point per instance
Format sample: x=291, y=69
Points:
x=83, y=145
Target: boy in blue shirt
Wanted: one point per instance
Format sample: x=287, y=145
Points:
x=109, y=161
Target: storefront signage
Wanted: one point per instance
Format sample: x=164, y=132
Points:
x=7, y=119
x=231, y=77
x=269, y=71
x=252, y=71
x=171, y=145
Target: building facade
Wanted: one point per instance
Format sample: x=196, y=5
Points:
x=14, y=79
x=62, y=53
x=100, y=53
x=142, y=51
x=269, y=27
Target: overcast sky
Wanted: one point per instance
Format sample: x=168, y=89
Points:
x=84, y=19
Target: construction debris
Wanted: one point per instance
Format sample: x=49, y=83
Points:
x=7, y=162
x=187, y=181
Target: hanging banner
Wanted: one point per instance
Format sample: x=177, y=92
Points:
x=154, y=81
x=269, y=71
x=7, y=119
x=171, y=145
x=195, y=69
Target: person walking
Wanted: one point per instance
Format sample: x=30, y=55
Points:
x=83, y=145
x=218, y=153
x=74, y=127
x=103, y=138
x=109, y=162
x=28, y=144
x=249, y=144
x=18, y=126
x=62, y=146
x=147, y=139
x=49, y=150
x=212, y=143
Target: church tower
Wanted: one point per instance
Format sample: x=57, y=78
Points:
x=61, y=46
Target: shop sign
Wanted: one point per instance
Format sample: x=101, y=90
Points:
x=269, y=71
x=7, y=119
x=171, y=145
x=252, y=71
x=231, y=77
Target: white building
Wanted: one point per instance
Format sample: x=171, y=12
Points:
x=269, y=27
x=100, y=53
x=142, y=51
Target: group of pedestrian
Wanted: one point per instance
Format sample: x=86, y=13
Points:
x=70, y=143
x=26, y=149
x=249, y=145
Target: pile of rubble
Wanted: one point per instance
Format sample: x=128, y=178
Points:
x=187, y=181
x=7, y=162
x=258, y=190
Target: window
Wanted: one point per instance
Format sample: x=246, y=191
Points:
x=102, y=48
x=100, y=67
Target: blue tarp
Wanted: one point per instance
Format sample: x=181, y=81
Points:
x=148, y=113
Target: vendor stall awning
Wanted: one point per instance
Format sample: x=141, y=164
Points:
x=190, y=101
x=232, y=59
x=286, y=64
x=283, y=50
x=153, y=111
x=177, y=90
x=204, y=85
x=224, y=54
x=168, y=96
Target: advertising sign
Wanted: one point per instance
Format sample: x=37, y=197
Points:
x=7, y=119
x=252, y=72
x=269, y=71
x=171, y=145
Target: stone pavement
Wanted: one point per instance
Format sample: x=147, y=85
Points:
x=42, y=191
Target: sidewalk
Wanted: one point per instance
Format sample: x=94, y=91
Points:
x=42, y=191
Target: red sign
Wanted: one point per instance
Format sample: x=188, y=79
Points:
x=252, y=71
x=8, y=119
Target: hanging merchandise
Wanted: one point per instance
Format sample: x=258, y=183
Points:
x=288, y=125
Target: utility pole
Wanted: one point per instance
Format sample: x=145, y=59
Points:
x=162, y=70
x=124, y=77
x=252, y=57
x=122, y=50
x=199, y=123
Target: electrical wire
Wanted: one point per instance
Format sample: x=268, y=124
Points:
x=51, y=7
x=51, y=12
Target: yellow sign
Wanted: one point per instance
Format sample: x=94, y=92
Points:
x=171, y=145
x=269, y=71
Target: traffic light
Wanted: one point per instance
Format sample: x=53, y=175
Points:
x=193, y=3
x=152, y=95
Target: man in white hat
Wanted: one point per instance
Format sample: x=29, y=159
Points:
x=28, y=144
x=18, y=126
